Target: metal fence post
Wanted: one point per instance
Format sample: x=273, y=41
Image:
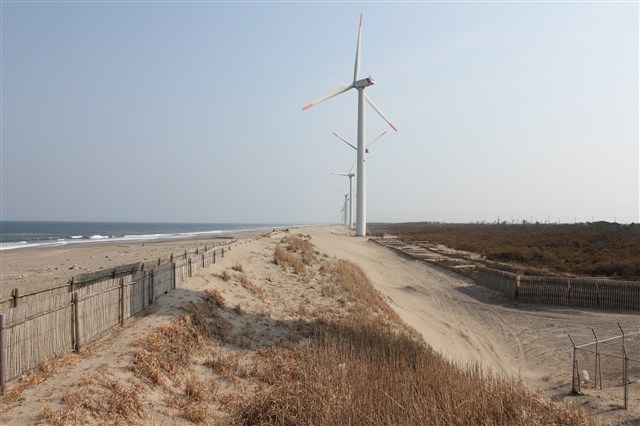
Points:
x=575, y=374
x=597, y=372
x=626, y=377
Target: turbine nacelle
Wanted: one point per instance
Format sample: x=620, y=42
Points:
x=365, y=82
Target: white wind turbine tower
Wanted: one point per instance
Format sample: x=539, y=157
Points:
x=350, y=175
x=359, y=85
x=343, y=211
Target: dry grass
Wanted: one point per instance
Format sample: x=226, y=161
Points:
x=298, y=253
x=301, y=244
x=167, y=351
x=99, y=398
x=226, y=276
x=249, y=285
x=366, y=367
x=237, y=267
x=355, y=362
x=192, y=404
x=363, y=374
x=286, y=259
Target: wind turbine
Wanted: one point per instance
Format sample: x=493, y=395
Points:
x=359, y=85
x=344, y=207
x=366, y=148
x=350, y=176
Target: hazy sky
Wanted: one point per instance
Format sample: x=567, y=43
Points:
x=174, y=111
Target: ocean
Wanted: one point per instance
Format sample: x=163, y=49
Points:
x=25, y=234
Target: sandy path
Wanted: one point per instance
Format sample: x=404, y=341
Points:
x=469, y=323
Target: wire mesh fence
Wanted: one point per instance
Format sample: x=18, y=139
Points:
x=609, y=369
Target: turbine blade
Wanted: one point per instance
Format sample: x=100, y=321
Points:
x=339, y=174
x=354, y=164
x=344, y=140
x=356, y=70
x=376, y=139
x=376, y=109
x=329, y=96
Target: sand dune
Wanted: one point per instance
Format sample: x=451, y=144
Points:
x=465, y=322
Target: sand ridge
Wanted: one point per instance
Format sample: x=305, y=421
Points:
x=465, y=322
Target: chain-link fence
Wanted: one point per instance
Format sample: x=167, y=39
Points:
x=609, y=369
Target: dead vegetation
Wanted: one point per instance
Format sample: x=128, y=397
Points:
x=344, y=359
x=587, y=249
x=296, y=253
x=99, y=398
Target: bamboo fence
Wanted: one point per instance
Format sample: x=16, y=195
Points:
x=596, y=293
x=38, y=326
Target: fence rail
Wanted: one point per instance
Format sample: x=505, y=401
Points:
x=609, y=367
x=597, y=293
x=41, y=325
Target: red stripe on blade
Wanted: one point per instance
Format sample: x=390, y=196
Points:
x=307, y=107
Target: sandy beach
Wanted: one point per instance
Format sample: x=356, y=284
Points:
x=37, y=268
x=464, y=322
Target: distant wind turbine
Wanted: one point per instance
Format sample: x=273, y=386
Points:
x=350, y=175
x=344, y=207
x=359, y=85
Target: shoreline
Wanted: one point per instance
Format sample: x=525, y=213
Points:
x=37, y=268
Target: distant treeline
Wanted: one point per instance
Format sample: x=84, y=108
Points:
x=593, y=249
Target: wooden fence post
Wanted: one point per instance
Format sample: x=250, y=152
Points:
x=15, y=294
x=151, y=284
x=214, y=256
x=189, y=267
x=72, y=285
x=3, y=359
x=76, y=320
x=173, y=275
x=144, y=290
x=122, y=300
x=203, y=260
x=222, y=255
